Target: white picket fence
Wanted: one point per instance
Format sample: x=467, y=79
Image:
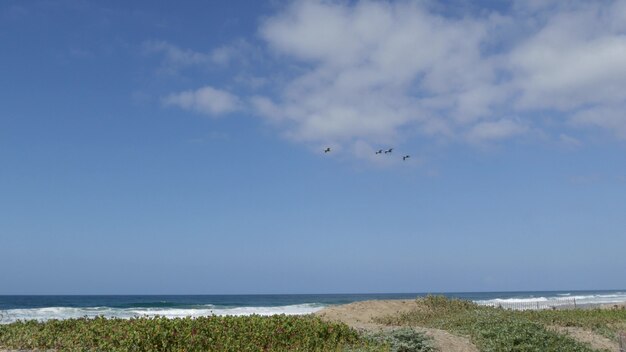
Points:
x=534, y=305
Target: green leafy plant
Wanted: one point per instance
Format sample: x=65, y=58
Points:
x=249, y=333
x=404, y=340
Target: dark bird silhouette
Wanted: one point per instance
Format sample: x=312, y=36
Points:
x=405, y=157
x=380, y=151
x=326, y=150
x=389, y=150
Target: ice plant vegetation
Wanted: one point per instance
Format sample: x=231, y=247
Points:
x=245, y=333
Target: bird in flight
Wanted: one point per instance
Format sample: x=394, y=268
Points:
x=405, y=157
x=327, y=150
x=380, y=151
x=389, y=150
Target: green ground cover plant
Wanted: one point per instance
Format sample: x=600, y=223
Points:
x=248, y=333
x=494, y=329
x=607, y=322
x=403, y=340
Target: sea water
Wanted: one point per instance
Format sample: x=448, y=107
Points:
x=42, y=308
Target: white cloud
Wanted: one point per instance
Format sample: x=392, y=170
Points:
x=575, y=60
x=373, y=70
x=489, y=131
x=362, y=74
x=205, y=100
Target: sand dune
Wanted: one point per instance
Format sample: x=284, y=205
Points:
x=359, y=315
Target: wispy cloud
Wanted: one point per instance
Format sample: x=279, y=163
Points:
x=239, y=51
x=569, y=141
x=175, y=58
x=611, y=117
x=207, y=100
x=495, y=130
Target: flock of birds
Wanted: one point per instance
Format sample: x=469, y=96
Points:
x=379, y=151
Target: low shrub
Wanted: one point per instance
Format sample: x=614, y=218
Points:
x=248, y=333
x=404, y=340
x=491, y=329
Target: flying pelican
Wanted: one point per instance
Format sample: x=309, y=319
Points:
x=380, y=151
x=327, y=150
x=389, y=150
x=405, y=157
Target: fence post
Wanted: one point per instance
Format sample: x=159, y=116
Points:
x=537, y=305
x=574, y=303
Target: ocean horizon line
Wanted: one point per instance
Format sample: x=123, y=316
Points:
x=308, y=293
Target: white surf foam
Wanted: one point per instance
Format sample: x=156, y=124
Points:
x=44, y=314
x=559, y=299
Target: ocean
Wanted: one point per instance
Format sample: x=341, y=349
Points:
x=13, y=308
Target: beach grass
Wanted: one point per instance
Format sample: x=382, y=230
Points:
x=606, y=322
x=244, y=333
x=496, y=329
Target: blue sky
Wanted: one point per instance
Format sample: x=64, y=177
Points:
x=160, y=147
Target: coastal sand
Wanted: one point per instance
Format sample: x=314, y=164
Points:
x=359, y=315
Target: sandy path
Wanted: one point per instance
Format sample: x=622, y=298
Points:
x=359, y=315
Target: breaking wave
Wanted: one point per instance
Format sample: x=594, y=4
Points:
x=48, y=313
x=559, y=299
